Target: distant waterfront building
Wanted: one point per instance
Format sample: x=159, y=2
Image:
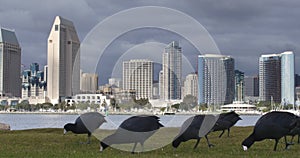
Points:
x=155, y=90
x=239, y=85
x=161, y=84
x=251, y=86
x=298, y=93
x=191, y=85
x=89, y=83
x=99, y=99
x=34, y=85
x=172, y=72
x=63, y=61
x=115, y=81
x=276, y=78
x=216, y=79
x=287, y=78
x=297, y=80
x=138, y=76
x=10, y=64
x=270, y=78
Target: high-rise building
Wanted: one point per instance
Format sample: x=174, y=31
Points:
x=172, y=70
x=297, y=80
x=63, y=60
x=10, y=64
x=216, y=79
x=33, y=83
x=251, y=86
x=89, y=83
x=270, y=78
x=239, y=85
x=138, y=76
x=161, y=84
x=287, y=78
x=276, y=78
x=191, y=85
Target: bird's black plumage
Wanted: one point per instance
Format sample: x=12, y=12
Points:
x=86, y=123
x=136, y=129
x=226, y=121
x=195, y=127
x=273, y=125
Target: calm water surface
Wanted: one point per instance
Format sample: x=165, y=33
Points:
x=31, y=121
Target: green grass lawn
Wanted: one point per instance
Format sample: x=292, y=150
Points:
x=52, y=143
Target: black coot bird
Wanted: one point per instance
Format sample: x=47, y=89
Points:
x=226, y=121
x=195, y=127
x=273, y=125
x=86, y=123
x=136, y=129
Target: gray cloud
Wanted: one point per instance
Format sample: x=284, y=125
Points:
x=242, y=29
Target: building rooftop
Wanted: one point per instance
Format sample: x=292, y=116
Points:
x=8, y=36
x=214, y=56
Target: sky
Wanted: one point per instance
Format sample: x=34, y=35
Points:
x=242, y=29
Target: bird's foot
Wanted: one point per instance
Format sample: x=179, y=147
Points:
x=287, y=145
x=211, y=145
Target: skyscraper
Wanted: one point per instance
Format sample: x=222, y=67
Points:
x=239, y=85
x=33, y=82
x=138, y=76
x=10, y=64
x=287, y=78
x=172, y=70
x=216, y=79
x=251, y=86
x=270, y=78
x=191, y=85
x=89, y=83
x=63, y=60
x=276, y=78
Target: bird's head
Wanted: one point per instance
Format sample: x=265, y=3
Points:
x=247, y=143
x=67, y=128
x=176, y=142
x=103, y=146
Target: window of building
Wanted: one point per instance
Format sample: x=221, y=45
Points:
x=56, y=27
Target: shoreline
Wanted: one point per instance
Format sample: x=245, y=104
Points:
x=121, y=113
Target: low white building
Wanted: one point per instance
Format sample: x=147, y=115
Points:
x=88, y=98
x=240, y=108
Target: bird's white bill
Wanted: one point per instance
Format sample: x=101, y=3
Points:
x=65, y=131
x=101, y=148
x=245, y=148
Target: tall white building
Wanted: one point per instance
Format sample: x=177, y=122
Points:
x=172, y=70
x=216, y=79
x=89, y=83
x=10, y=64
x=287, y=78
x=277, y=78
x=63, y=60
x=138, y=76
x=191, y=85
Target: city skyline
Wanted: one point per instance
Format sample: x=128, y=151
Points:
x=266, y=33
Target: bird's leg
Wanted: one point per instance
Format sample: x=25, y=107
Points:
x=134, y=146
x=292, y=139
x=89, y=138
x=208, y=143
x=286, y=143
x=276, y=142
x=142, y=144
x=221, y=134
x=228, y=132
x=198, y=140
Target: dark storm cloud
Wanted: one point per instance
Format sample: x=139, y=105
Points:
x=242, y=29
